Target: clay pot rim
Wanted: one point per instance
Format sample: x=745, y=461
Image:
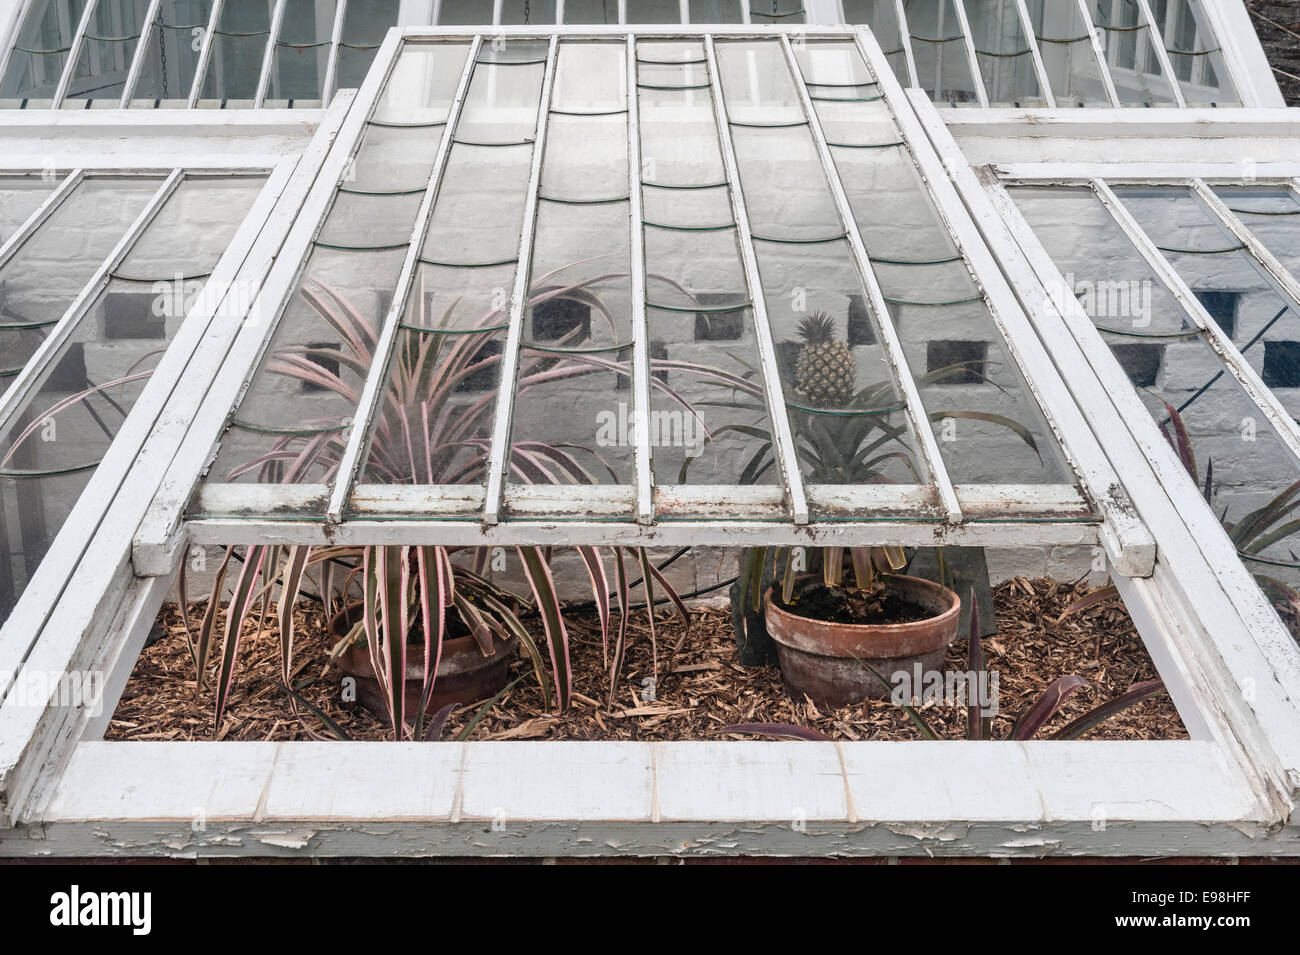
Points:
x=448, y=643
x=866, y=640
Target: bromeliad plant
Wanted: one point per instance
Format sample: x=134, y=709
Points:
x=427, y=432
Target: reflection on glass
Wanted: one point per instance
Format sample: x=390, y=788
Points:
x=302, y=52
x=1131, y=53
x=882, y=18
x=55, y=441
x=708, y=418
x=171, y=58
x=106, y=51
x=1230, y=450
x=1068, y=55
x=1004, y=54
x=40, y=52
x=20, y=196
x=779, y=12
x=292, y=422
x=939, y=47
x=716, y=11
x=1196, y=55
x=591, y=11
x=654, y=11
x=844, y=411
x=364, y=28
x=50, y=268
x=239, y=44
x=526, y=12
x=988, y=426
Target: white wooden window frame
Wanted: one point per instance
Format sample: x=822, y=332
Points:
x=1227, y=19
x=591, y=514
x=1232, y=670
x=13, y=14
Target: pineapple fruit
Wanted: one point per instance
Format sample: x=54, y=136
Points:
x=824, y=370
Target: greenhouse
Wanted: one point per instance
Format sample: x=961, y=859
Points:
x=427, y=428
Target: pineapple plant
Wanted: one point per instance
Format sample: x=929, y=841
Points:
x=824, y=369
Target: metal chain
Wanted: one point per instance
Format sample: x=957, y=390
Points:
x=162, y=51
x=527, y=13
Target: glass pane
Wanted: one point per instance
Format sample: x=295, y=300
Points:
x=172, y=56
x=238, y=48
x=654, y=11
x=1131, y=54
x=465, y=13
x=51, y=450
x=290, y=426
x=364, y=27
x=882, y=18
x=40, y=52
x=939, y=46
x=708, y=404
x=716, y=11
x=1235, y=458
x=844, y=409
x=302, y=52
x=779, y=12
x=1196, y=54
x=1068, y=55
x=988, y=425
x=1004, y=53
x=49, y=270
x=528, y=12
x=1272, y=215
x=578, y=328
x=20, y=196
x=107, y=48
x=591, y=11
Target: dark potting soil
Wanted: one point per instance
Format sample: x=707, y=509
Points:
x=837, y=605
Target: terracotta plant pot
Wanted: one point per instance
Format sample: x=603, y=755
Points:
x=465, y=675
x=817, y=656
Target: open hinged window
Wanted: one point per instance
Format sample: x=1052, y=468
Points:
x=717, y=287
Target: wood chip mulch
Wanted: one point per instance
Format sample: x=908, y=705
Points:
x=700, y=689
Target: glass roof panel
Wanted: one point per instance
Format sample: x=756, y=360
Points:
x=107, y=47
x=20, y=196
x=563, y=354
x=939, y=48
x=40, y=52
x=1195, y=54
x=717, y=11
x=364, y=27
x=302, y=53
x=1129, y=42
x=975, y=395
x=1224, y=439
x=238, y=47
x=532, y=12
x=48, y=270
x=290, y=422
x=54, y=440
x=315, y=51
x=172, y=54
x=1004, y=53
x=1065, y=43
